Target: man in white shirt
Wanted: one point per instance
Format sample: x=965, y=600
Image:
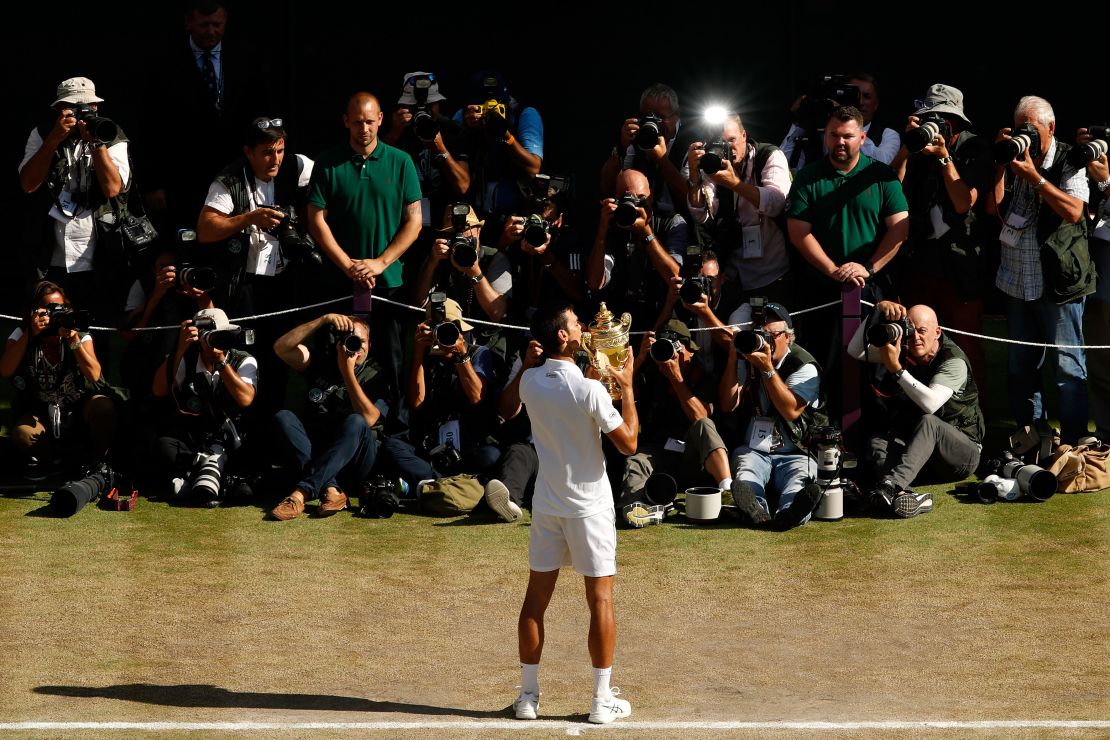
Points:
x=573, y=516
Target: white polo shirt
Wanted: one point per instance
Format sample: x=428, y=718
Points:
x=569, y=413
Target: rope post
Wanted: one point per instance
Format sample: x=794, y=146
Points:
x=850, y=317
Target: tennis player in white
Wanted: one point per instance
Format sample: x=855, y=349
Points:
x=573, y=514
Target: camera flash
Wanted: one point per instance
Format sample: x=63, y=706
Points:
x=715, y=115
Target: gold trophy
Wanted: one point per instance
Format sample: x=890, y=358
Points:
x=607, y=344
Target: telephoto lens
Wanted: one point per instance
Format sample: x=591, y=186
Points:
x=1083, y=154
x=536, y=230
x=446, y=334
x=75, y=495
x=716, y=154
x=628, y=210
x=352, y=343
x=651, y=128
x=425, y=125
x=208, y=471
x=464, y=250
x=196, y=277
x=664, y=349
x=888, y=332
x=751, y=340
x=929, y=125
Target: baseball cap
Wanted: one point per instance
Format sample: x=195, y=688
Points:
x=772, y=311
x=943, y=99
x=681, y=330
x=471, y=219
x=77, y=90
x=453, y=312
x=409, y=98
x=218, y=317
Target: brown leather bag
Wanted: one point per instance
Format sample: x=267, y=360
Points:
x=1082, y=468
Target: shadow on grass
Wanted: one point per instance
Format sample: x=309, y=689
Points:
x=207, y=695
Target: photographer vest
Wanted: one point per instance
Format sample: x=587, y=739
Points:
x=962, y=409
x=197, y=396
x=1069, y=271
x=37, y=382
x=634, y=285
x=814, y=414
x=722, y=232
x=326, y=398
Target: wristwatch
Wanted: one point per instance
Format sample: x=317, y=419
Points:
x=475, y=278
x=649, y=238
x=1102, y=186
x=465, y=357
x=944, y=161
x=220, y=365
x=1039, y=185
x=768, y=374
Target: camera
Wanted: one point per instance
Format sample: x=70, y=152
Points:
x=651, y=128
x=102, y=129
x=446, y=332
x=1030, y=480
x=694, y=284
x=888, y=332
x=463, y=249
x=445, y=458
x=207, y=473
x=424, y=124
x=196, y=277
x=822, y=98
x=96, y=481
x=536, y=230
x=495, y=116
x=756, y=338
x=351, y=342
x=294, y=246
x=628, y=210
x=831, y=461
x=1024, y=138
x=667, y=346
x=1083, y=154
x=380, y=497
x=64, y=316
x=221, y=339
x=929, y=125
x=716, y=154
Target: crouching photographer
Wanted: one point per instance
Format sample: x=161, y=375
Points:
x=924, y=383
x=449, y=390
x=681, y=394
x=333, y=438
x=212, y=384
x=61, y=401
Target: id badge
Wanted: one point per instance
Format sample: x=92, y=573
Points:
x=66, y=204
x=675, y=445
x=751, y=242
x=1010, y=236
x=763, y=433
x=449, y=432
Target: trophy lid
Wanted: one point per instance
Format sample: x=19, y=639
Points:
x=603, y=321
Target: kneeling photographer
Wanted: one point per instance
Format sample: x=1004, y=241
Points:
x=60, y=398
x=212, y=384
x=776, y=392
x=253, y=227
x=335, y=435
x=924, y=383
x=450, y=391
x=681, y=394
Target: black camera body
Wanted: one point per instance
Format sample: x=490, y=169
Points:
x=628, y=210
x=536, y=230
x=445, y=458
x=1031, y=480
x=351, y=342
x=651, y=128
x=1024, y=139
x=296, y=247
x=756, y=338
x=64, y=316
x=694, y=284
x=463, y=248
x=104, y=130
x=822, y=98
x=889, y=332
x=929, y=125
x=378, y=498
x=1083, y=154
x=446, y=332
x=666, y=347
x=716, y=154
x=221, y=339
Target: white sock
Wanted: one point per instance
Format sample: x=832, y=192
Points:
x=530, y=678
x=725, y=485
x=601, y=683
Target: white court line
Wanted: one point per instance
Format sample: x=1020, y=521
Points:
x=549, y=724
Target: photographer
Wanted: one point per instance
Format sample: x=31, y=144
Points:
x=776, y=393
x=697, y=296
x=945, y=169
x=1041, y=199
x=450, y=394
x=504, y=141
x=336, y=433
x=931, y=402
x=74, y=166
x=1096, y=314
x=476, y=277
x=254, y=218
x=212, y=385
x=739, y=205
x=659, y=157
x=60, y=394
x=680, y=394
x=636, y=251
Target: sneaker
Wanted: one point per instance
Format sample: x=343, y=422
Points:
x=805, y=503
x=606, y=710
x=747, y=506
x=882, y=496
x=332, y=501
x=527, y=705
x=289, y=508
x=908, y=504
x=497, y=496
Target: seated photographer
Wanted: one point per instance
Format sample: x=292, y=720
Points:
x=933, y=420
x=655, y=143
x=60, y=397
x=476, y=277
x=212, y=384
x=254, y=220
x=335, y=434
x=696, y=297
x=450, y=394
x=737, y=196
x=678, y=439
x=776, y=393
x=636, y=252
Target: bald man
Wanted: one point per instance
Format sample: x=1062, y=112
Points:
x=933, y=419
x=636, y=252
x=364, y=213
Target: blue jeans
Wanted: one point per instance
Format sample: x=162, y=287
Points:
x=1044, y=322
x=785, y=473
x=404, y=459
x=350, y=452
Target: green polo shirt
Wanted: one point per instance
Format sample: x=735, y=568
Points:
x=365, y=199
x=846, y=209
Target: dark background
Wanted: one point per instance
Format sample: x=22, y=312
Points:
x=583, y=71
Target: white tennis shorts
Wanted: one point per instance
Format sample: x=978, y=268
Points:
x=589, y=543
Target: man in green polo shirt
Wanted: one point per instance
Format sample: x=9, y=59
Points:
x=364, y=213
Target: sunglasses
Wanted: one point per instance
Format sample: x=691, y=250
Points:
x=272, y=123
